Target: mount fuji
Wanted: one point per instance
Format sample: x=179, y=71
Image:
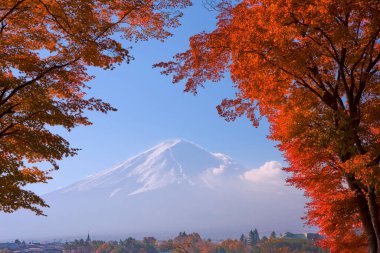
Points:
x=174, y=186
x=177, y=162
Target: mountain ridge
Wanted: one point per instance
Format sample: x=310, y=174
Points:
x=163, y=164
x=175, y=186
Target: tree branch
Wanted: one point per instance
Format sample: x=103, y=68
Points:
x=35, y=79
x=11, y=10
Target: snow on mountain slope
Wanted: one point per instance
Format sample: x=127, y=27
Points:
x=174, y=186
x=171, y=162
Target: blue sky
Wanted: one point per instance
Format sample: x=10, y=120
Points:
x=151, y=110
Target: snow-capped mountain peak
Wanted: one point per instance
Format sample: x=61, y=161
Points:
x=175, y=161
x=174, y=186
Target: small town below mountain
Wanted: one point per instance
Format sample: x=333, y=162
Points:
x=251, y=242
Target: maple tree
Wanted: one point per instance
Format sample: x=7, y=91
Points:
x=45, y=49
x=235, y=246
x=312, y=69
x=186, y=243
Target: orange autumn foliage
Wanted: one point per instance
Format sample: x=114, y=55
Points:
x=45, y=49
x=190, y=243
x=312, y=69
x=234, y=246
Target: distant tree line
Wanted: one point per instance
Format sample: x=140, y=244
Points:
x=193, y=243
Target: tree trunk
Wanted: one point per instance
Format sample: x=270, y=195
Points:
x=374, y=213
x=365, y=216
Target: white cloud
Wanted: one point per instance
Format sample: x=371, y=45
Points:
x=218, y=171
x=269, y=173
